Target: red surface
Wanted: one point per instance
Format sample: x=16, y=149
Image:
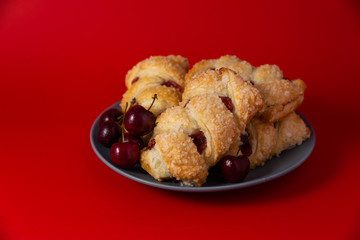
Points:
x=63, y=62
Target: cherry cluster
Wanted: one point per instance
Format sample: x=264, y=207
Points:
x=122, y=132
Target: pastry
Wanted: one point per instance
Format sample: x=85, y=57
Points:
x=263, y=140
x=190, y=138
x=239, y=96
x=161, y=75
x=281, y=96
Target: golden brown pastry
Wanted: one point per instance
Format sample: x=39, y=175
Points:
x=161, y=75
x=280, y=96
x=264, y=140
x=243, y=99
x=190, y=138
x=243, y=68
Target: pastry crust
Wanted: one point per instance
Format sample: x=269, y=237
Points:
x=225, y=82
x=262, y=140
x=280, y=96
x=166, y=67
x=270, y=139
x=148, y=78
x=175, y=155
x=265, y=73
x=243, y=68
x=291, y=131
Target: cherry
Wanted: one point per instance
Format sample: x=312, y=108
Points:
x=131, y=138
x=199, y=140
x=173, y=84
x=110, y=115
x=227, y=102
x=109, y=133
x=235, y=169
x=139, y=121
x=125, y=154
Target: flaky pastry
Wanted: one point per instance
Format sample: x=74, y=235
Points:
x=281, y=96
x=161, y=75
x=267, y=139
x=190, y=138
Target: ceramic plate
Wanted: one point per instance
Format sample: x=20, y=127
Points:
x=273, y=168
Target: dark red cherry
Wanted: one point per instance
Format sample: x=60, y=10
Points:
x=109, y=133
x=173, y=84
x=110, y=115
x=199, y=140
x=227, y=102
x=139, y=121
x=235, y=169
x=131, y=138
x=125, y=155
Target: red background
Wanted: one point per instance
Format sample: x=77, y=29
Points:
x=63, y=62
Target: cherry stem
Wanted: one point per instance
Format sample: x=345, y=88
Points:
x=154, y=97
x=118, y=119
x=126, y=106
x=237, y=154
x=122, y=124
x=133, y=101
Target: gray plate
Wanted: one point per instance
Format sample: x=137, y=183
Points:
x=273, y=168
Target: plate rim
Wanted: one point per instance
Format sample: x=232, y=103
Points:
x=231, y=186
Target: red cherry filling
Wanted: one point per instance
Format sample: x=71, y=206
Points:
x=151, y=144
x=227, y=102
x=199, y=140
x=245, y=148
x=173, y=84
x=134, y=80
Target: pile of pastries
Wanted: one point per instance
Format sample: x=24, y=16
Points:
x=219, y=107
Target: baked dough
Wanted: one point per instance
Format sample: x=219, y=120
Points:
x=175, y=153
x=161, y=75
x=281, y=96
x=224, y=82
x=270, y=139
